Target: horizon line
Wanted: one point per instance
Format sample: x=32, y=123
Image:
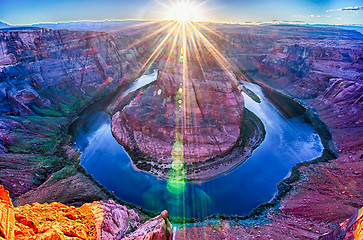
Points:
x=277, y=22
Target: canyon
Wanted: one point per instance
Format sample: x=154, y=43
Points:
x=49, y=76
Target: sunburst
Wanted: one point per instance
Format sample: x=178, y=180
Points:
x=183, y=42
x=183, y=10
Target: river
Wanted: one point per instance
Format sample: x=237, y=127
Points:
x=288, y=141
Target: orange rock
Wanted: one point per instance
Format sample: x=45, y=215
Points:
x=53, y=221
x=52, y=234
x=97, y=220
x=4, y=196
x=358, y=233
x=7, y=220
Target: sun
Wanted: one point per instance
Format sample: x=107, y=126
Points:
x=184, y=10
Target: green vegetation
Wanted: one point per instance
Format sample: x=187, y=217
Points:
x=59, y=175
x=36, y=134
x=37, y=145
x=46, y=112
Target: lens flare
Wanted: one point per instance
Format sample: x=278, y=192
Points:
x=184, y=10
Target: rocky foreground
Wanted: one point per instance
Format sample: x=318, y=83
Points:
x=97, y=220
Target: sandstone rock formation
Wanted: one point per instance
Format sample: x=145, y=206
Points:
x=155, y=228
x=7, y=220
x=97, y=220
x=154, y=119
x=191, y=115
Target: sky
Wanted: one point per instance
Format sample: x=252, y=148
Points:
x=24, y=12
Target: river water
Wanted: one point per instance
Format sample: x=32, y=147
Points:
x=287, y=142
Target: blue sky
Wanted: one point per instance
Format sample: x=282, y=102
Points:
x=309, y=11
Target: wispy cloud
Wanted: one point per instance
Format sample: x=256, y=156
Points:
x=311, y=16
x=287, y=21
x=351, y=9
x=356, y=8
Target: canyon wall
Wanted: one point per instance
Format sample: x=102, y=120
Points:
x=46, y=78
x=322, y=68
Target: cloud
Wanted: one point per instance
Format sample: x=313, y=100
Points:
x=300, y=16
x=356, y=8
x=351, y=9
x=311, y=16
x=287, y=21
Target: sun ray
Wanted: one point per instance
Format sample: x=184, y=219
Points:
x=186, y=44
x=159, y=31
x=148, y=63
x=145, y=67
x=183, y=10
x=174, y=44
x=223, y=62
x=220, y=36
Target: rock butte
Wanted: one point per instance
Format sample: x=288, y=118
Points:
x=192, y=120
